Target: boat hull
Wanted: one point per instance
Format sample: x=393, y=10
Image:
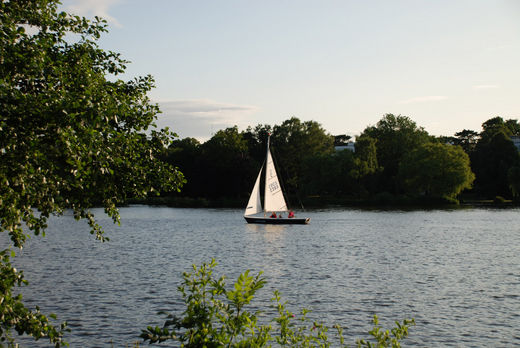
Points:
x=276, y=221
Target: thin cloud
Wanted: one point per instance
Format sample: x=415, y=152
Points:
x=485, y=86
x=91, y=8
x=204, y=107
x=501, y=47
x=425, y=99
x=202, y=118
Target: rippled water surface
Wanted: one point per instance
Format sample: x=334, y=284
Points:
x=456, y=272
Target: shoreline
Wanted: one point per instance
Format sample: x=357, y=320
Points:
x=330, y=202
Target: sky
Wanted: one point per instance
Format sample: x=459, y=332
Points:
x=449, y=65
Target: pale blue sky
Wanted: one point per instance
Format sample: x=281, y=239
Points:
x=448, y=65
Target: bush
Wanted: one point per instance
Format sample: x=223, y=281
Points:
x=499, y=200
x=217, y=317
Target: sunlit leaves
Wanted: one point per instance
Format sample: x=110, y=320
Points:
x=72, y=136
x=14, y=315
x=436, y=170
x=215, y=316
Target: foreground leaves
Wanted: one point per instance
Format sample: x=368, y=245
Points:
x=217, y=317
x=72, y=136
x=13, y=313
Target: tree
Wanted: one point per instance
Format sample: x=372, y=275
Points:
x=70, y=137
x=292, y=142
x=396, y=136
x=436, y=170
x=467, y=139
x=366, y=156
x=341, y=139
x=513, y=176
x=366, y=166
x=494, y=156
x=186, y=154
x=513, y=126
x=226, y=156
x=498, y=125
x=256, y=139
x=328, y=174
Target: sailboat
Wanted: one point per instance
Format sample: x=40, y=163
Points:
x=274, y=201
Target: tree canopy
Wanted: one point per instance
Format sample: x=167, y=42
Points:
x=492, y=159
x=436, y=170
x=227, y=165
x=72, y=136
x=396, y=136
x=467, y=139
x=310, y=166
x=293, y=141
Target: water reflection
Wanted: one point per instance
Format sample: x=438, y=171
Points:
x=267, y=247
x=266, y=227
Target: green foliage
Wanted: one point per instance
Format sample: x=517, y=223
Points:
x=386, y=338
x=499, y=200
x=493, y=126
x=256, y=139
x=513, y=177
x=292, y=142
x=383, y=169
x=496, y=125
x=396, y=136
x=342, y=139
x=366, y=156
x=214, y=316
x=513, y=126
x=493, y=158
x=226, y=157
x=234, y=157
x=436, y=170
x=217, y=317
x=70, y=137
x=328, y=174
x=467, y=139
x=13, y=313
x=366, y=167
x=186, y=153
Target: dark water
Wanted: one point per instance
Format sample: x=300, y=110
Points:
x=456, y=272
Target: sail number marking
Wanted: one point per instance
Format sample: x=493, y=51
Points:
x=273, y=187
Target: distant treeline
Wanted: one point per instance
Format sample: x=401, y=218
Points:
x=394, y=161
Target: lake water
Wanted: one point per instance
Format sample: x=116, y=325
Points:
x=457, y=272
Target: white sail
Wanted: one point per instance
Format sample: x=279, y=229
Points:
x=273, y=199
x=254, y=205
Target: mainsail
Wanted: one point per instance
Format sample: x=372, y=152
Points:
x=254, y=205
x=273, y=199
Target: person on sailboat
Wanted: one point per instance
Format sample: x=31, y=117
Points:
x=291, y=214
x=273, y=215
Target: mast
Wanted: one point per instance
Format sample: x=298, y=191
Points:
x=266, y=169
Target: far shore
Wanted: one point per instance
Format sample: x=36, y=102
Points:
x=381, y=202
